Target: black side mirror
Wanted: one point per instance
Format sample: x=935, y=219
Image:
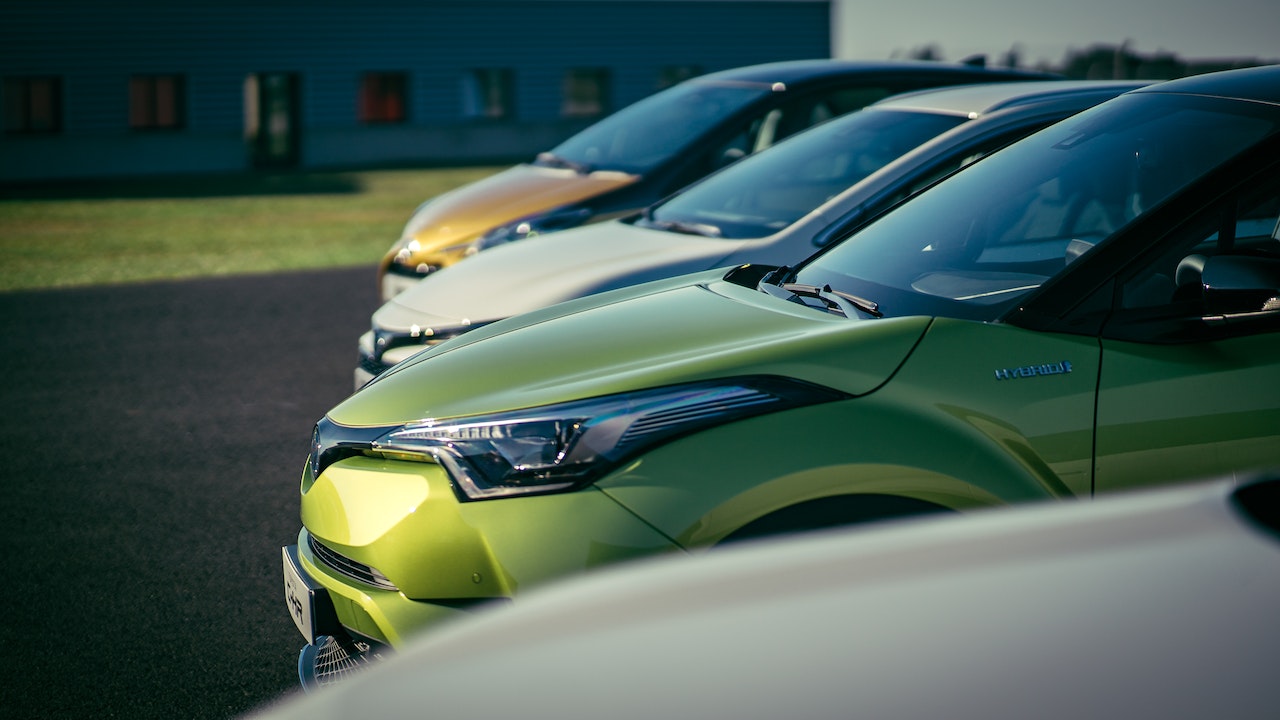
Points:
x=1241, y=284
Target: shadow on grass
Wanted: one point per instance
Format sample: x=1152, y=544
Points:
x=187, y=186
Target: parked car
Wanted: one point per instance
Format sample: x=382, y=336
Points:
x=1093, y=308
x=772, y=208
x=649, y=150
x=1158, y=603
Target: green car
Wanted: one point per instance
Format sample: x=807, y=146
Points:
x=1094, y=308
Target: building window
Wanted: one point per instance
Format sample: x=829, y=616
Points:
x=384, y=97
x=488, y=93
x=673, y=74
x=586, y=92
x=32, y=104
x=156, y=102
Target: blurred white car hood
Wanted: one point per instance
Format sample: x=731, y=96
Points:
x=1157, y=604
x=537, y=272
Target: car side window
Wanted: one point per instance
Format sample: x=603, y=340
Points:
x=766, y=129
x=806, y=111
x=1216, y=276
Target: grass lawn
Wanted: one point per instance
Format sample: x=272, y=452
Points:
x=96, y=232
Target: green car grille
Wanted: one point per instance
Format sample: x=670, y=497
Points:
x=347, y=567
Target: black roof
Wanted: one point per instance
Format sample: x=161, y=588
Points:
x=801, y=71
x=1257, y=84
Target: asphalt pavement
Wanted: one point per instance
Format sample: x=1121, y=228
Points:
x=152, y=438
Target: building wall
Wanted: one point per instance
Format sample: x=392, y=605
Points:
x=94, y=47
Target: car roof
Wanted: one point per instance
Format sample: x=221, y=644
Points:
x=973, y=100
x=802, y=71
x=1257, y=84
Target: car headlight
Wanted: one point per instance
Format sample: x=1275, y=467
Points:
x=384, y=340
x=532, y=226
x=417, y=221
x=403, y=250
x=564, y=446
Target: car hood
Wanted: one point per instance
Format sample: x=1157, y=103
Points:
x=537, y=272
x=514, y=193
x=690, y=328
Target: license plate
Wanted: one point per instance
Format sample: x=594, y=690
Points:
x=299, y=594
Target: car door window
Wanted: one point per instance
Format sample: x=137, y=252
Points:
x=1190, y=381
x=770, y=125
x=1218, y=276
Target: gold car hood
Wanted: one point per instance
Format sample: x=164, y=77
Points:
x=469, y=211
x=693, y=327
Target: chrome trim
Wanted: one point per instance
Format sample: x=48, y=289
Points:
x=347, y=567
x=1027, y=371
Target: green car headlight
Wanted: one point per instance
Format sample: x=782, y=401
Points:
x=566, y=446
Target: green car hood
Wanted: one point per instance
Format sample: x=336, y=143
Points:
x=694, y=327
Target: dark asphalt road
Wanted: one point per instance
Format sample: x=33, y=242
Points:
x=152, y=439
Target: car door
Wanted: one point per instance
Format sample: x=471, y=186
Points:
x=1190, y=379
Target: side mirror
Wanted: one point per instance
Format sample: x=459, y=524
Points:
x=1239, y=284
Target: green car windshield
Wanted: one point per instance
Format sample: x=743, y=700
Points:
x=975, y=244
x=647, y=133
x=764, y=193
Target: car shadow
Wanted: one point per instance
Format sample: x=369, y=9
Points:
x=186, y=186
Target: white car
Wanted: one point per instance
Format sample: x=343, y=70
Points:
x=1153, y=604
x=773, y=207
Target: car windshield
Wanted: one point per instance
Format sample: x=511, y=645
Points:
x=976, y=243
x=644, y=134
x=764, y=193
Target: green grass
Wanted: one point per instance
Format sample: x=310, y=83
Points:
x=90, y=233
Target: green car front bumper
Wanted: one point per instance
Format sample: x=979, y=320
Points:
x=399, y=551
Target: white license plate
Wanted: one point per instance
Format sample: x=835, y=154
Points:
x=299, y=594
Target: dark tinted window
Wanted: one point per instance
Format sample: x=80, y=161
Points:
x=645, y=134
x=977, y=242
x=1223, y=264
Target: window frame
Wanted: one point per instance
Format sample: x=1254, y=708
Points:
x=22, y=105
x=488, y=93
x=586, y=92
x=383, y=97
x=157, y=102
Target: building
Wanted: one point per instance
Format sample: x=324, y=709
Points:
x=138, y=87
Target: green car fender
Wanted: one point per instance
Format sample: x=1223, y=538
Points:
x=978, y=415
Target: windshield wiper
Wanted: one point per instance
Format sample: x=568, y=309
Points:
x=686, y=228
x=844, y=303
x=553, y=160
